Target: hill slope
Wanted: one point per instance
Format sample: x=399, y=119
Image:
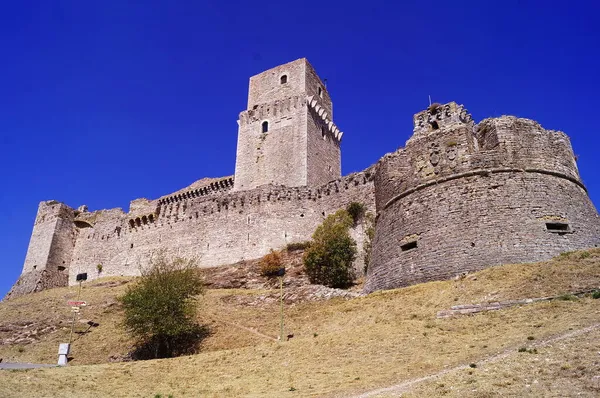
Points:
x=340, y=346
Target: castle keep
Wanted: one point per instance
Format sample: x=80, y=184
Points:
x=459, y=197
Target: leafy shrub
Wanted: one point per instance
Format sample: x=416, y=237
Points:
x=596, y=294
x=270, y=264
x=99, y=267
x=356, y=211
x=160, y=309
x=297, y=246
x=328, y=261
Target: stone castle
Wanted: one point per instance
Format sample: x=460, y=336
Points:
x=459, y=197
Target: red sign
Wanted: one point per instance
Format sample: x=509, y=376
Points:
x=77, y=303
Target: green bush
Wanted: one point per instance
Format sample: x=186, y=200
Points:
x=596, y=294
x=270, y=264
x=356, y=211
x=160, y=309
x=297, y=246
x=328, y=261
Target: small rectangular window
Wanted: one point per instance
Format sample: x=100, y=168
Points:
x=558, y=227
x=409, y=246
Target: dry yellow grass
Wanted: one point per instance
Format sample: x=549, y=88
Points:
x=340, y=347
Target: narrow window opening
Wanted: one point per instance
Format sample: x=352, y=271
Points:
x=265, y=127
x=131, y=247
x=35, y=267
x=323, y=133
x=409, y=246
x=61, y=268
x=320, y=91
x=558, y=227
x=283, y=79
x=131, y=223
x=435, y=125
x=323, y=213
x=151, y=218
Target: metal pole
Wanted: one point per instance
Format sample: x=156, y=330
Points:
x=281, y=307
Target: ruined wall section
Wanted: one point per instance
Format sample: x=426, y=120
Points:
x=216, y=229
x=459, y=198
x=50, y=250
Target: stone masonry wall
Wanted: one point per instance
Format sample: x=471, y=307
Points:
x=460, y=198
x=50, y=250
x=301, y=144
x=217, y=229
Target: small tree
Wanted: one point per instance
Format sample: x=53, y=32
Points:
x=160, y=309
x=356, y=211
x=329, y=258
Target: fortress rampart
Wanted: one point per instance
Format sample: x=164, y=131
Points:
x=461, y=197
x=211, y=223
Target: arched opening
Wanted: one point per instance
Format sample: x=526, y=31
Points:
x=151, y=217
x=265, y=126
x=131, y=223
x=320, y=90
x=283, y=79
x=82, y=224
x=138, y=222
x=144, y=220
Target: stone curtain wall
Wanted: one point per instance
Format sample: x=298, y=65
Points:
x=460, y=198
x=217, y=229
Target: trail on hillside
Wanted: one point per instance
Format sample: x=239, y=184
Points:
x=407, y=385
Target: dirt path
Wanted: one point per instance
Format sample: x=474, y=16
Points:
x=407, y=385
x=253, y=331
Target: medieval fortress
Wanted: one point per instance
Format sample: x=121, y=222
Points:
x=458, y=197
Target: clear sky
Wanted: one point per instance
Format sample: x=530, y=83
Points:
x=105, y=102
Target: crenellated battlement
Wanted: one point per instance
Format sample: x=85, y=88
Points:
x=442, y=117
x=212, y=188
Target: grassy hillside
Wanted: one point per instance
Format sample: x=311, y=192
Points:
x=340, y=346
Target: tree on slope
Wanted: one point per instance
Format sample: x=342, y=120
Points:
x=160, y=309
x=328, y=261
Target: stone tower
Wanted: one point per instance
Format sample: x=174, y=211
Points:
x=462, y=196
x=287, y=136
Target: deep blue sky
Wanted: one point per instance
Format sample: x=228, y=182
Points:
x=105, y=102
